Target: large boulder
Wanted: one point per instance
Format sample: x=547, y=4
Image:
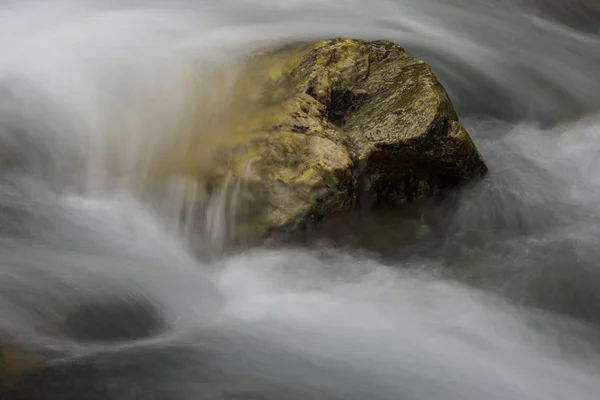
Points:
x=336, y=121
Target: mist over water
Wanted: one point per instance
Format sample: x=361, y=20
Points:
x=492, y=293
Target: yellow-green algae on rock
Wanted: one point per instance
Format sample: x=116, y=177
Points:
x=329, y=116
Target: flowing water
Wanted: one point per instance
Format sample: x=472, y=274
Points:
x=493, y=293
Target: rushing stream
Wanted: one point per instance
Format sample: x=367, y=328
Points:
x=492, y=294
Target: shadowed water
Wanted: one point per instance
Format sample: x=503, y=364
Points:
x=489, y=293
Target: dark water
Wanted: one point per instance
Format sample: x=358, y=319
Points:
x=492, y=293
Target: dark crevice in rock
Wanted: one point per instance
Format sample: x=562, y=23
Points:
x=342, y=103
x=363, y=198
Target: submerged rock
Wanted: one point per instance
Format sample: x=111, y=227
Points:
x=332, y=117
x=15, y=365
x=113, y=319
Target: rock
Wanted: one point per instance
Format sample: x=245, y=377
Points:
x=33, y=369
x=402, y=126
x=113, y=319
x=331, y=117
x=16, y=364
x=296, y=170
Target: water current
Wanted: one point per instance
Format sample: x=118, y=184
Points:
x=493, y=293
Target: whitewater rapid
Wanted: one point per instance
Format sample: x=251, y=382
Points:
x=492, y=294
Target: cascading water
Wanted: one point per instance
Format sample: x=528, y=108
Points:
x=493, y=294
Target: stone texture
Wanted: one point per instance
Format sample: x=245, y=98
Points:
x=330, y=119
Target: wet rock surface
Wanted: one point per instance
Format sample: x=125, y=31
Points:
x=336, y=121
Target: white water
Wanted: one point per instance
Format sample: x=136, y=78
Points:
x=492, y=295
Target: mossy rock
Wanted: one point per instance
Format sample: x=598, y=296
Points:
x=323, y=120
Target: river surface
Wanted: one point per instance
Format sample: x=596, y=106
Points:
x=493, y=293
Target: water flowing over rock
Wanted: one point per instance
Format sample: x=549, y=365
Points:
x=338, y=119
